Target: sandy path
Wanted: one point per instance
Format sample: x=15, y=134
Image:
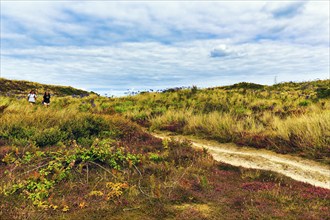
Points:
x=295, y=167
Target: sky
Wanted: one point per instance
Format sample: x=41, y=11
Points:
x=112, y=47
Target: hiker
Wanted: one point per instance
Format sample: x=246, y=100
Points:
x=32, y=97
x=46, y=100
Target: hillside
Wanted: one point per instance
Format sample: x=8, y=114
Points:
x=20, y=87
x=93, y=157
x=286, y=118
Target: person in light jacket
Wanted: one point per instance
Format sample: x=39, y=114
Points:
x=32, y=97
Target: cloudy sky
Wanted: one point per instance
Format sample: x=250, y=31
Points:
x=109, y=47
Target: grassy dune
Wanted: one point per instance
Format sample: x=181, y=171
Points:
x=287, y=117
x=20, y=87
x=88, y=158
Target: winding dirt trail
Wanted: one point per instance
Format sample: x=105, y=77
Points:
x=297, y=168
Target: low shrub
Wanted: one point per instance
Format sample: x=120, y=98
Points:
x=323, y=92
x=18, y=131
x=85, y=127
x=49, y=137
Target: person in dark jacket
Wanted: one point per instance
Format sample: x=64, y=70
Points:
x=46, y=99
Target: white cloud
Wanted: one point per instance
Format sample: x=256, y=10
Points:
x=222, y=50
x=116, y=45
x=241, y=21
x=285, y=9
x=154, y=65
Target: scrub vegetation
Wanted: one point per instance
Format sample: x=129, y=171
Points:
x=93, y=158
x=286, y=118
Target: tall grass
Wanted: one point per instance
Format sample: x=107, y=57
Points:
x=287, y=117
x=309, y=132
x=22, y=123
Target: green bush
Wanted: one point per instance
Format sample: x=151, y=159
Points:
x=304, y=103
x=86, y=142
x=18, y=131
x=155, y=157
x=84, y=107
x=74, y=128
x=120, y=109
x=85, y=128
x=49, y=137
x=323, y=93
x=194, y=90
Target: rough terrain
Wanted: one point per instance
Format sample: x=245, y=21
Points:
x=297, y=168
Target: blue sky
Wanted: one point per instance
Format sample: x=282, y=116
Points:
x=110, y=47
